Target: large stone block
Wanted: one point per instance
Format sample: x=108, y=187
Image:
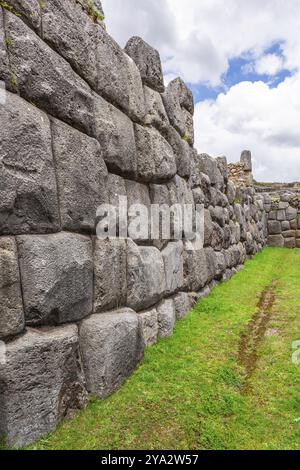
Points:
x=155, y=157
x=148, y=62
x=195, y=269
x=28, y=193
x=110, y=282
x=291, y=213
x=173, y=263
x=176, y=97
x=40, y=383
x=11, y=304
x=72, y=33
x=276, y=240
x=115, y=132
x=47, y=80
x=182, y=151
x=211, y=263
x=145, y=276
x=120, y=81
x=246, y=160
x=208, y=165
x=57, y=277
x=290, y=242
x=166, y=318
x=149, y=326
x=112, y=346
x=81, y=177
x=155, y=112
x=274, y=227
x=183, y=303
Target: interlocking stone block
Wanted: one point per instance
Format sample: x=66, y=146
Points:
x=146, y=283
x=148, y=62
x=182, y=151
x=183, y=303
x=57, y=277
x=155, y=112
x=11, y=305
x=119, y=80
x=173, y=263
x=115, y=132
x=40, y=383
x=81, y=177
x=166, y=318
x=112, y=345
x=274, y=227
x=155, y=157
x=72, y=33
x=276, y=240
x=149, y=326
x=28, y=193
x=110, y=282
x=195, y=269
x=47, y=80
x=176, y=97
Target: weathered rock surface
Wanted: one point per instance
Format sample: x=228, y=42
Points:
x=40, y=383
x=11, y=312
x=28, y=193
x=173, y=263
x=5, y=74
x=29, y=10
x=78, y=46
x=148, y=62
x=155, y=157
x=176, y=97
x=145, y=276
x=112, y=346
x=45, y=79
x=195, y=269
x=57, y=277
x=183, y=303
x=156, y=115
x=115, y=132
x=120, y=82
x=84, y=189
x=110, y=281
x=149, y=326
x=166, y=318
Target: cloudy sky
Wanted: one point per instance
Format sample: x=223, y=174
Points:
x=241, y=59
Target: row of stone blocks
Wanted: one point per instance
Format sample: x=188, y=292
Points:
x=64, y=277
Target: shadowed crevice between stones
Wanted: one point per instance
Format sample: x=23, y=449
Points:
x=255, y=333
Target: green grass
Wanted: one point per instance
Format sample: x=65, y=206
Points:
x=188, y=392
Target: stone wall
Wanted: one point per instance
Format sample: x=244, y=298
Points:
x=84, y=122
x=283, y=213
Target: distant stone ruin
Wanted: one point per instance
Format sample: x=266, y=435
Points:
x=83, y=123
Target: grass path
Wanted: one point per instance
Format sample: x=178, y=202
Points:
x=189, y=392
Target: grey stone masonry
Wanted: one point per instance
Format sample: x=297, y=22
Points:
x=41, y=382
x=148, y=62
x=112, y=345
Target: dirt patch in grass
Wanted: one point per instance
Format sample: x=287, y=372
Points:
x=256, y=330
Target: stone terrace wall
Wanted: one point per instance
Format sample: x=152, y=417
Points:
x=283, y=212
x=84, y=122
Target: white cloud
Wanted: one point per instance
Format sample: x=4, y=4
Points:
x=269, y=64
x=196, y=39
x=257, y=117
